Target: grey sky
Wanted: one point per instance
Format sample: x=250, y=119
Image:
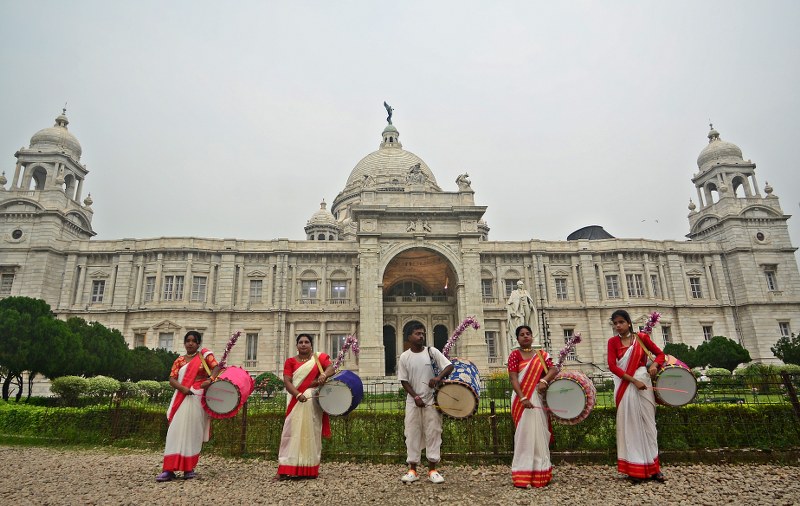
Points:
x=219, y=119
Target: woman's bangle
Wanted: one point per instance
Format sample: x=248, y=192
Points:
x=417, y=397
x=523, y=399
x=323, y=375
x=298, y=395
x=544, y=381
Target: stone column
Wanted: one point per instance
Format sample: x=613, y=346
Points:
x=16, y=182
x=187, y=279
x=81, y=281
x=137, y=298
x=711, y=291
x=623, y=282
x=648, y=286
x=159, y=278
x=576, y=284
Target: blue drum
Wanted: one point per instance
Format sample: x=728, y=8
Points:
x=459, y=395
x=341, y=394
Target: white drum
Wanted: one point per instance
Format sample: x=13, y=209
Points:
x=341, y=394
x=675, y=385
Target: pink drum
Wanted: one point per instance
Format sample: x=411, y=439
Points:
x=675, y=384
x=226, y=396
x=571, y=397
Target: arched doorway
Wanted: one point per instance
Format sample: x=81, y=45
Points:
x=389, y=350
x=440, y=337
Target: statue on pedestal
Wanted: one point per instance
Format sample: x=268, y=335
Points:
x=521, y=311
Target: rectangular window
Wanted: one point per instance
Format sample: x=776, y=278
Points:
x=173, y=287
x=255, y=290
x=694, y=286
x=511, y=285
x=199, y=288
x=6, y=282
x=338, y=290
x=491, y=344
x=655, y=285
x=568, y=333
x=487, y=288
x=666, y=333
x=337, y=341
x=138, y=340
x=708, y=332
x=561, y=288
x=772, y=281
x=149, y=288
x=165, y=340
x=251, y=348
x=308, y=289
x=612, y=286
x=98, y=289
x=635, y=285
x=786, y=330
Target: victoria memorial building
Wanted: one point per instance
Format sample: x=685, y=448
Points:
x=398, y=246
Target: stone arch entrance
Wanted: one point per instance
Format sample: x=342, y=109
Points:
x=419, y=285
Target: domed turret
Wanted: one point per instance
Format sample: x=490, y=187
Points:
x=57, y=138
x=322, y=226
x=718, y=151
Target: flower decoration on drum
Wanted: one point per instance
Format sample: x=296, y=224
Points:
x=231, y=341
x=469, y=321
x=571, y=342
x=651, y=322
x=350, y=344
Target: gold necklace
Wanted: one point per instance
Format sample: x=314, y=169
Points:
x=191, y=356
x=303, y=359
x=526, y=349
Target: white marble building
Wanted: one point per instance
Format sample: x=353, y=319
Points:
x=396, y=247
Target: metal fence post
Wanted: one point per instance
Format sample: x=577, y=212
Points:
x=243, y=434
x=787, y=382
x=493, y=423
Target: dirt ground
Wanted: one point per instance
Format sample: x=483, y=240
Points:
x=120, y=476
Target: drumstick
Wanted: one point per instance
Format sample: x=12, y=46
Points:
x=214, y=398
x=551, y=409
x=670, y=389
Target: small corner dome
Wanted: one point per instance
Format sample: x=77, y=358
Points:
x=58, y=138
x=591, y=233
x=718, y=151
x=322, y=216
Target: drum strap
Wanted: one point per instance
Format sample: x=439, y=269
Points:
x=541, y=357
x=319, y=366
x=433, y=362
x=205, y=365
x=644, y=348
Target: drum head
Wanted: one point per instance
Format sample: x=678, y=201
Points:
x=335, y=397
x=676, y=386
x=222, y=397
x=565, y=398
x=456, y=400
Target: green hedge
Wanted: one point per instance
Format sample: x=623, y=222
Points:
x=379, y=436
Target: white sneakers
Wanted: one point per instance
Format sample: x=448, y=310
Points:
x=435, y=477
x=411, y=476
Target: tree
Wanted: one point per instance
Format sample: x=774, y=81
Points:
x=788, y=349
x=33, y=340
x=105, y=351
x=147, y=364
x=720, y=351
x=682, y=352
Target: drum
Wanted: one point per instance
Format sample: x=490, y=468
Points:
x=459, y=395
x=570, y=397
x=341, y=393
x=675, y=384
x=226, y=396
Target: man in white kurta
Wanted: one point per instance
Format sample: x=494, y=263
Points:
x=423, y=423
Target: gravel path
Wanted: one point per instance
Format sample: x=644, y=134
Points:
x=121, y=476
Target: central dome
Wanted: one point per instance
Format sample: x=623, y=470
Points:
x=391, y=166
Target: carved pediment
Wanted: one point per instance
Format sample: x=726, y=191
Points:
x=99, y=273
x=694, y=272
x=166, y=326
x=559, y=273
x=256, y=274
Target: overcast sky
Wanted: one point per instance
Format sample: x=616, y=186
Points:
x=234, y=119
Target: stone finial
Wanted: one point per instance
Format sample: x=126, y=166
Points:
x=767, y=189
x=3, y=181
x=88, y=200
x=692, y=207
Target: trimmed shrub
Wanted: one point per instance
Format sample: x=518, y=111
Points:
x=151, y=388
x=268, y=384
x=130, y=390
x=69, y=388
x=102, y=386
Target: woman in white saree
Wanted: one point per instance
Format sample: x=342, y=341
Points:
x=637, y=437
x=305, y=425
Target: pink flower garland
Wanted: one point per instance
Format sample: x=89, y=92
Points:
x=651, y=322
x=234, y=337
x=469, y=321
x=571, y=342
x=350, y=343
